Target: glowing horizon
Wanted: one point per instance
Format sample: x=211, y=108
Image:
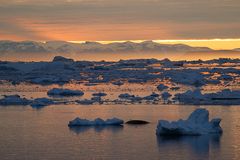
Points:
x=219, y=44
x=195, y=23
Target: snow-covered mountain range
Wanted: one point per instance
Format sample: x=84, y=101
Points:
x=94, y=47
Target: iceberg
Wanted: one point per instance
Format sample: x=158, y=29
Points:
x=64, y=92
x=197, y=124
x=97, y=122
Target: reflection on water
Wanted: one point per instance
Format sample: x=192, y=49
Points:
x=97, y=129
x=30, y=134
x=199, y=145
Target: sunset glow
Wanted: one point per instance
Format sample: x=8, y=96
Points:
x=196, y=23
x=218, y=44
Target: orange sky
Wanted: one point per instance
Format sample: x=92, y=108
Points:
x=197, y=23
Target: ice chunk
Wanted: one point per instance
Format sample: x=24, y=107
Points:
x=64, y=92
x=97, y=122
x=166, y=95
x=162, y=87
x=152, y=97
x=226, y=77
x=197, y=124
x=41, y=102
x=175, y=88
x=14, y=100
x=190, y=97
x=130, y=97
x=100, y=94
x=126, y=96
x=86, y=101
x=118, y=83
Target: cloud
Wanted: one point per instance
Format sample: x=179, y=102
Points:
x=130, y=19
x=18, y=32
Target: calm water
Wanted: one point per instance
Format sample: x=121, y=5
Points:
x=28, y=134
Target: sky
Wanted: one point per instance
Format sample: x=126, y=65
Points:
x=114, y=20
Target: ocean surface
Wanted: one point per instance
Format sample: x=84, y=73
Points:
x=43, y=134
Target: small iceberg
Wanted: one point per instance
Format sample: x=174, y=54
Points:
x=97, y=122
x=196, y=124
x=14, y=100
x=64, y=92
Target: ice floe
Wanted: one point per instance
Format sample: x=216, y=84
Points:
x=118, y=83
x=64, y=92
x=100, y=94
x=129, y=97
x=14, y=100
x=97, y=122
x=41, y=102
x=153, y=96
x=224, y=97
x=197, y=124
x=137, y=75
x=62, y=70
x=86, y=101
x=162, y=87
x=166, y=95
